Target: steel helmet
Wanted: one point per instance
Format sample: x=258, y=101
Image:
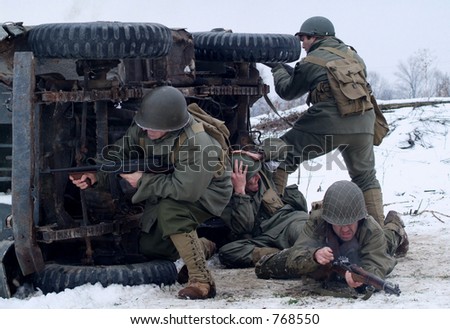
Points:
x=317, y=26
x=253, y=165
x=163, y=108
x=343, y=203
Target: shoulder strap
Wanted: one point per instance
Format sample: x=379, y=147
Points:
x=269, y=102
x=265, y=179
x=340, y=53
x=267, y=182
x=315, y=60
x=197, y=127
x=193, y=130
x=178, y=142
x=322, y=62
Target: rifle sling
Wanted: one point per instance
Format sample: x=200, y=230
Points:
x=269, y=102
x=369, y=292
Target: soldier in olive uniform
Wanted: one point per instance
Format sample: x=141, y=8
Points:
x=341, y=227
x=260, y=221
x=321, y=129
x=199, y=187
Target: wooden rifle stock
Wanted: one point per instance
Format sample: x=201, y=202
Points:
x=342, y=264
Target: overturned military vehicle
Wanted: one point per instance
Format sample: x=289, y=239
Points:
x=69, y=89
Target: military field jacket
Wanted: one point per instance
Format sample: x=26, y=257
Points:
x=244, y=213
x=195, y=162
x=248, y=216
x=322, y=117
x=370, y=236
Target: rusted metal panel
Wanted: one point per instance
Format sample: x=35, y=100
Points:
x=123, y=94
x=14, y=29
x=23, y=201
x=3, y=34
x=48, y=235
x=114, y=95
x=233, y=90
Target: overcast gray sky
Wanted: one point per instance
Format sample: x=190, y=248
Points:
x=384, y=32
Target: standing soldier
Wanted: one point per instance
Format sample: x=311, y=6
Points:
x=322, y=128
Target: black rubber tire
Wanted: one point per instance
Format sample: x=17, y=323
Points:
x=57, y=277
x=100, y=40
x=246, y=47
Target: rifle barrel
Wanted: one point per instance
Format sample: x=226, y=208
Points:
x=129, y=166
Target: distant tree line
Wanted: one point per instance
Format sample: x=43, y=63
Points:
x=418, y=77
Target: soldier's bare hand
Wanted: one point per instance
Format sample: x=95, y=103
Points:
x=239, y=176
x=324, y=255
x=85, y=181
x=352, y=283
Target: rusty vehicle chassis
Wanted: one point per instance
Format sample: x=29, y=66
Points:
x=28, y=104
x=121, y=94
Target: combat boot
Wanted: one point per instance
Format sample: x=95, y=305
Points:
x=258, y=253
x=374, y=204
x=396, y=224
x=200, y=284
x=209, y=248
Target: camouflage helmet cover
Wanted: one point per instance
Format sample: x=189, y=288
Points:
x=317, y=26
x=343, y=204
x=163, y=108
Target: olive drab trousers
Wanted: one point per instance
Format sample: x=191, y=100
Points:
x=172, y=217
x=357, y=153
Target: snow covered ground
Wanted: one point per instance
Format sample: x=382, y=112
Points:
x=413, y=166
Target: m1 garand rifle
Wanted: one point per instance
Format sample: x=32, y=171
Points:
x=147, y=165
x=342, y=264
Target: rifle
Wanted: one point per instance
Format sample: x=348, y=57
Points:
x=151, y=165
x=288, y=68
x=342, y=264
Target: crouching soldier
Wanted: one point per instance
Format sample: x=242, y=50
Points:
x=175, y=203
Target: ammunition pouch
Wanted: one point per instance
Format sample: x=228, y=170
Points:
x=322, y=93
x=272, y=201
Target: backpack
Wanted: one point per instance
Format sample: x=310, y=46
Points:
x=347, y=81
x=213, y=127
x=381, y=128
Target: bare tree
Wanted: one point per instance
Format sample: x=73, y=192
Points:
x=415, y=76
x=380, y=87
x=442, y=84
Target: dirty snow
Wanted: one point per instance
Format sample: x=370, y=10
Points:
x=413, y=166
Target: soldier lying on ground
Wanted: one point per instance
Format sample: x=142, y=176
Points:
x=341, y=227
x=260, y=220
